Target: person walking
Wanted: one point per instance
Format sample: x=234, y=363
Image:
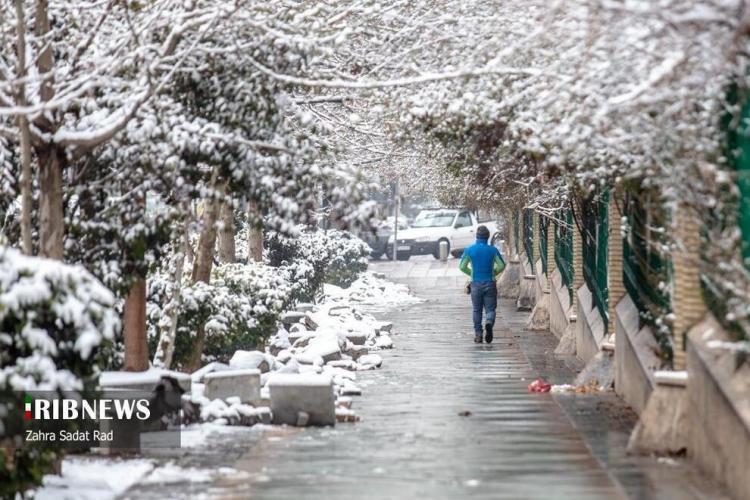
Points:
x=482, y=262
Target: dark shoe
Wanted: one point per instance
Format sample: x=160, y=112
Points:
x=478, y=338
x=488, y=335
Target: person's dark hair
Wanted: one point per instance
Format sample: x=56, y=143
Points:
x=483, y=233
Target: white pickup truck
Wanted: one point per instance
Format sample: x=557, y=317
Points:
x=455, y=226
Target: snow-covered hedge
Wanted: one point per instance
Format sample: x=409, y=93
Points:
x=240, y=308
x=317, y=257
x=56, y=321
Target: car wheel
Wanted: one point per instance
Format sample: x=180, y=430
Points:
x=436, y=254
x=403, y=255
x=457, y=253
x=376, y=255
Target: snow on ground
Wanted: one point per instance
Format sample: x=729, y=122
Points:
x=105, y=478
x=94, y=478
x=370, y=289
x=199, y=435
x=331, y=339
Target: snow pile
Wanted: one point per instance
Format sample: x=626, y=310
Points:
x=371, y=290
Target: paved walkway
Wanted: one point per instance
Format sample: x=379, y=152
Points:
x=412, y=442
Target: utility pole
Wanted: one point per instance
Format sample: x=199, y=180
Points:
x=397, y=209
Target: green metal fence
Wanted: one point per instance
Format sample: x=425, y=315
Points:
x=738, y=150
x=564, y=248
x=516, y=231
x=543, y=229
x=719, y=295
x=594, y=239
x=647, y=269
x=528, y=235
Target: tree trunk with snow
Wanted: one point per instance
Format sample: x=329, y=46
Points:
x=165, y=348
x=134, y=328
x=226, y=235
x=255, y=235
x=51, y=158
x=202, y=266
x=25, y=133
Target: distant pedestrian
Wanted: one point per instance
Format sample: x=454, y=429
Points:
x=483, y=262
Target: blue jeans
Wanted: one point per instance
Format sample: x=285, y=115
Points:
x=483, y=296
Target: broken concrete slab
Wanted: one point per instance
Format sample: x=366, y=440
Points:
x=371, y=359
x=291, y=317
x=252, y=359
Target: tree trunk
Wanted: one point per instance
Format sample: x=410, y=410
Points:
x=202, y=269
x=226, y=235
x=255, y=235
x=165, y=349
x=51, y=222
x=25, y=133
x=134, y=328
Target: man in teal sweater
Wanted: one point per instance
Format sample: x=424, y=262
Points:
x=483, y=262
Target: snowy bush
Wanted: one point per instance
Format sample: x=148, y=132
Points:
x=56, y=321
x=317, y=257
x=240, y=308
x=347, y=258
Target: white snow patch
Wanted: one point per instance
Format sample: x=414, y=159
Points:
x=94, y=478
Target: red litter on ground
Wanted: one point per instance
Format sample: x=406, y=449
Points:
x=539, y=385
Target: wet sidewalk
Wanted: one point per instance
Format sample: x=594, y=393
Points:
x=414, y=441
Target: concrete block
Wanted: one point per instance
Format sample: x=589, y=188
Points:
x=356, y=338
x=302, y=398
x=539, y=317
x=526, y=294
x=327, y=347
x=508, y=285
x=292, y=317
x=567, y=344
x=664, y=423
x=244, y=384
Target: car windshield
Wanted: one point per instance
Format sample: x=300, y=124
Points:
x=440, y=218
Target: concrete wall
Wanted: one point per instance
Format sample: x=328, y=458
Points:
x=590, y=328
x=559, y=309
x=635, y=358
x=719, y=406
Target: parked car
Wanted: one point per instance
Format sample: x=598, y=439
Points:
x=378, y=237
x=457, y=227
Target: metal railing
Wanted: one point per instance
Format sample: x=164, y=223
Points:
x=516, y=232
x=564, y=249
x=594, y=240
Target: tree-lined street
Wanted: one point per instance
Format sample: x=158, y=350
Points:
x=197, y=198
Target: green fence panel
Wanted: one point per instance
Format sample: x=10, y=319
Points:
x=528, y=235
x=543, y=229
x=647, y=270
x=564, y=249
x=516, y=232
x=594, y=249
